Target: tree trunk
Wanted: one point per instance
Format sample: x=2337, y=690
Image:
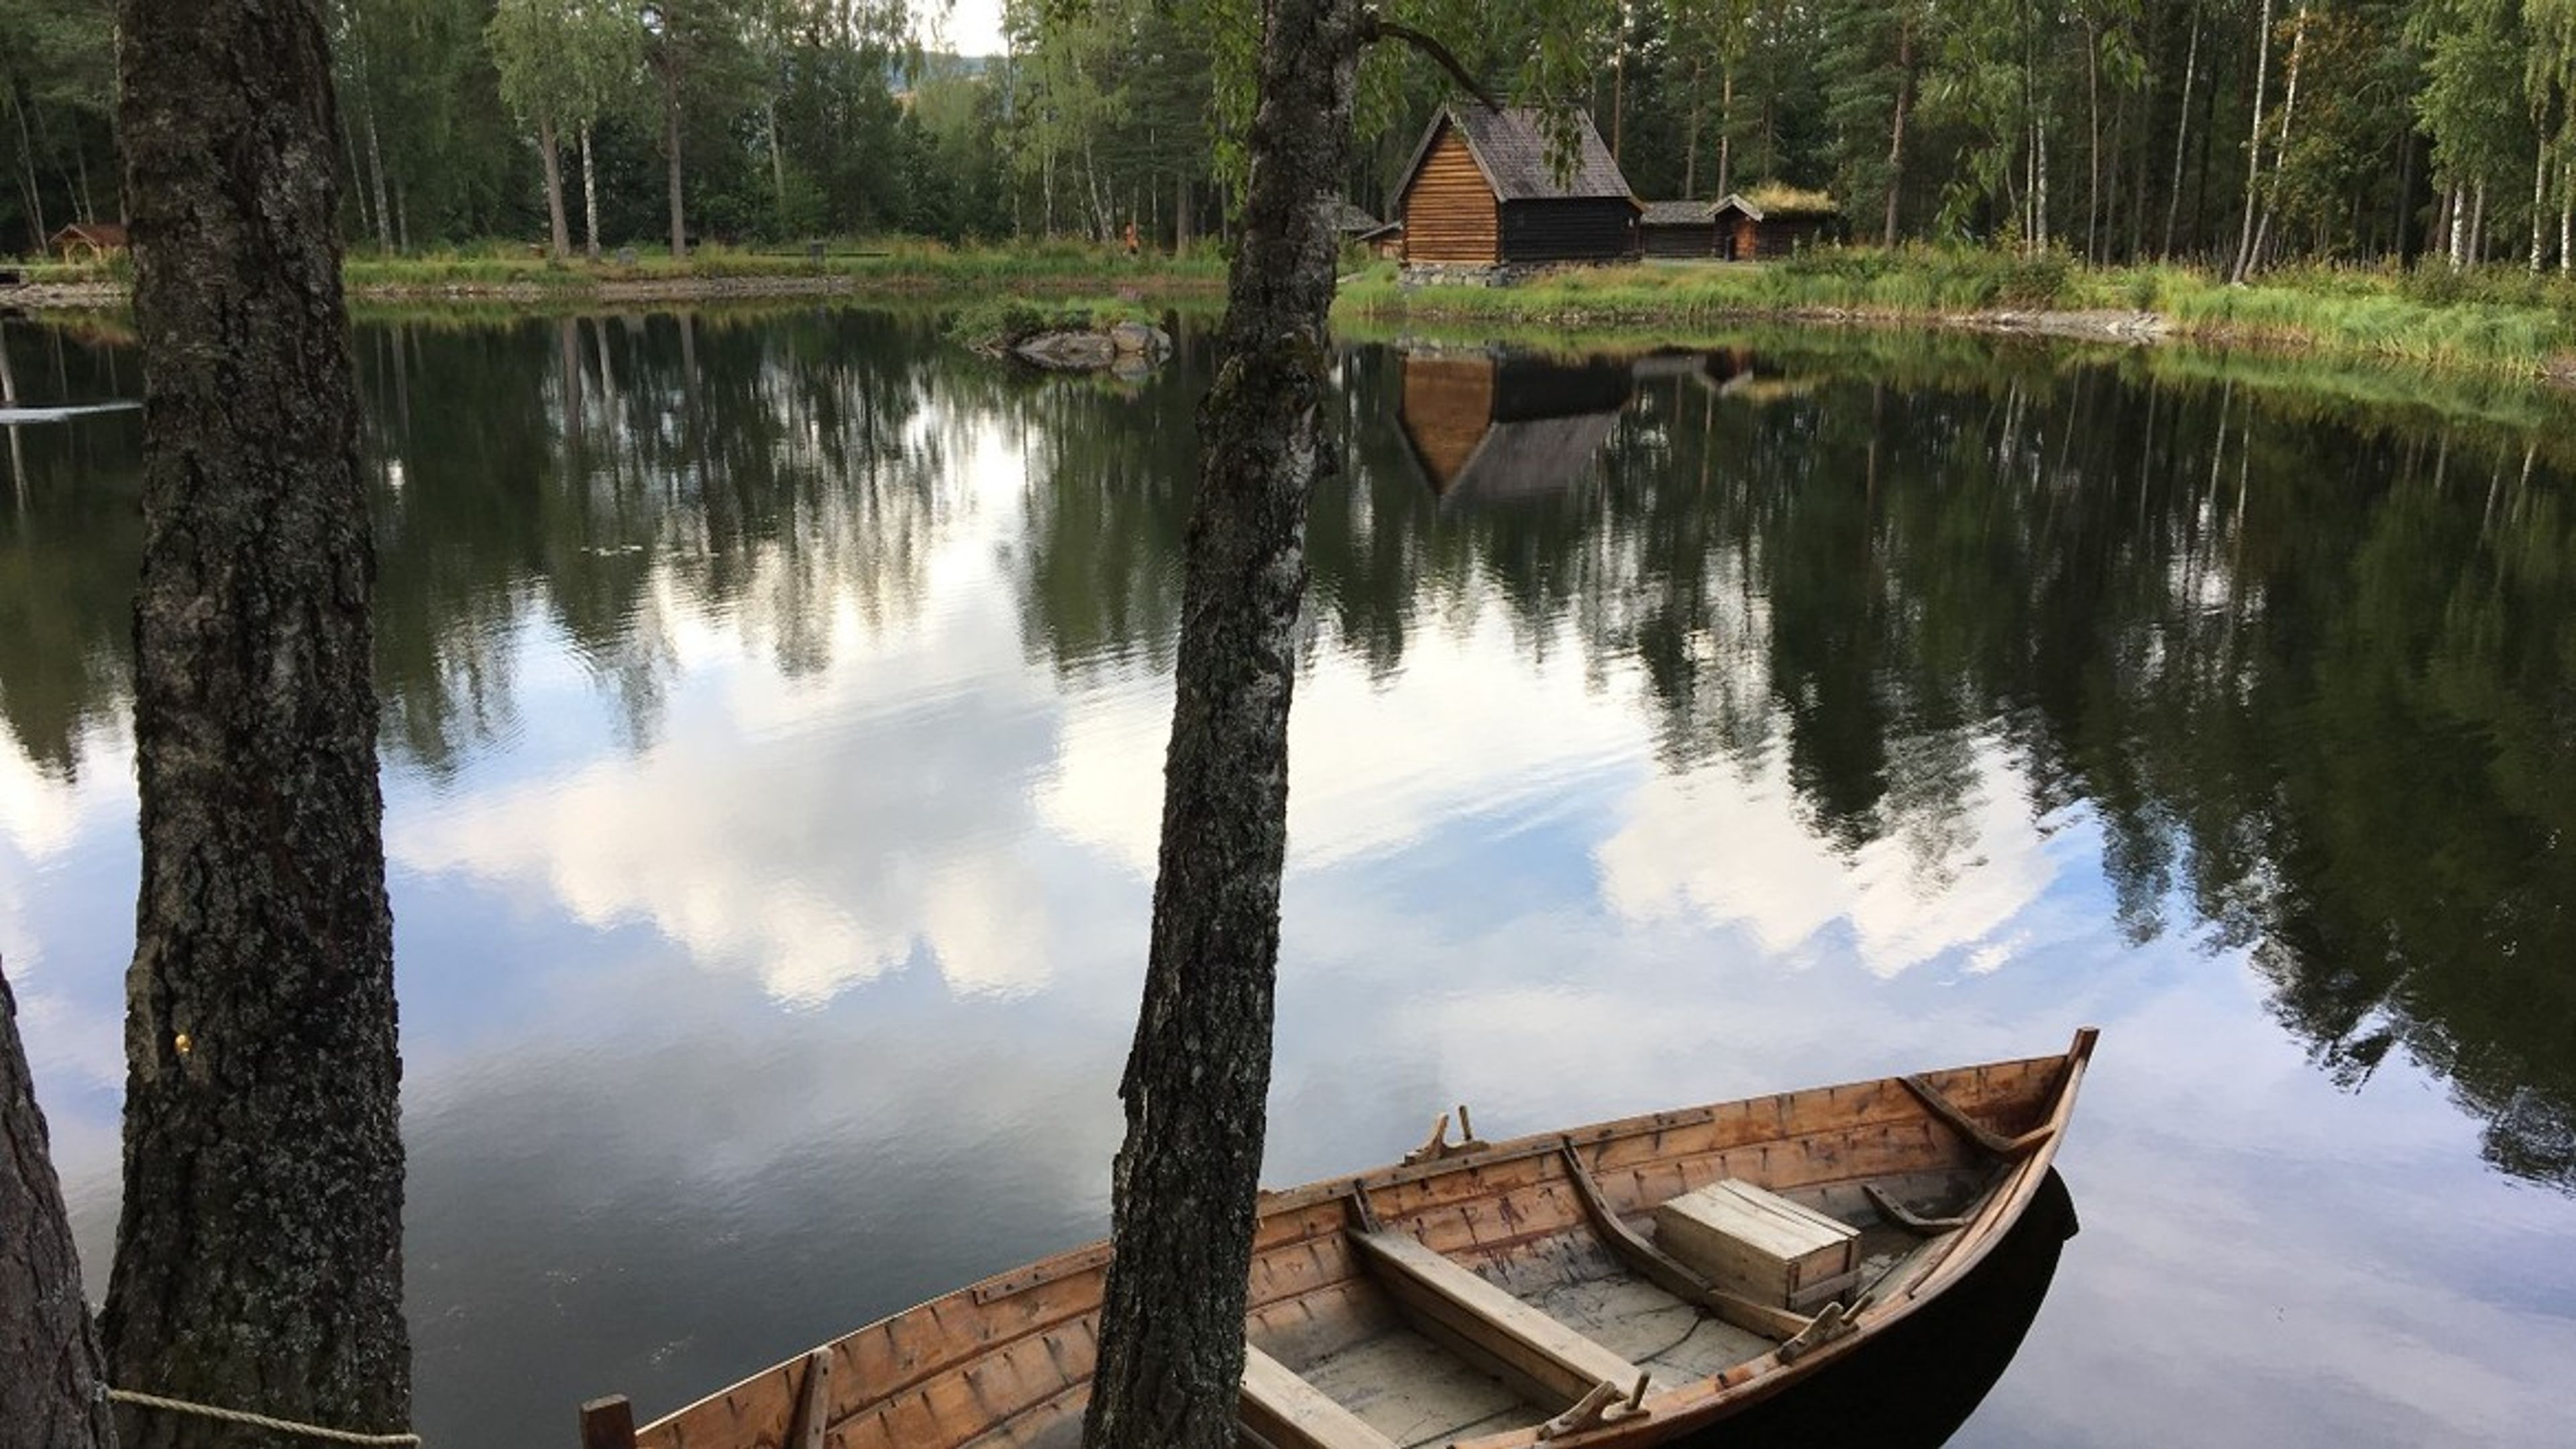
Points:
x=671, y=154
x=1171, y=1319
x=2540, y=207
x=777, y=161
x=552, y=155
x=375, y=167
x=259, y=1254
x=2567, y=223
x=589, y=197
x=2459, y=227
x=52, y=1381
x=1690, y=136
x=2093, y=143
x=1619, y=82
x=1896, y=138
x=1726, y=133
x=2254, y=142
x=2478, y=225
x=33, y=190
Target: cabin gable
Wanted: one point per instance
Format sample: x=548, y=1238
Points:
x=1449, y=210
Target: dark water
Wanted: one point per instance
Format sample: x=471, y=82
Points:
x=773, y=718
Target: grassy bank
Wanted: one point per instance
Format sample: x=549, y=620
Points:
x=2497, y=322
x=862, y=265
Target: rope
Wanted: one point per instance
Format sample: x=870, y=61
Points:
x=256, y=1421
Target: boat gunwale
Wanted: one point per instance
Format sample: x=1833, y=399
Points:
x=1692, y=1402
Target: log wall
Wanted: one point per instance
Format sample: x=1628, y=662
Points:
x=1575, y=229
x=1449, y=211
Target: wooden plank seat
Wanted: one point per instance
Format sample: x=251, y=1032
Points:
x=1544, y=1358
x=1286, y=1412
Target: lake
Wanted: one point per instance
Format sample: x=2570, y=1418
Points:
x=773, y=715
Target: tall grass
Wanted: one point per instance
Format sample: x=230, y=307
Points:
x=2496, y=320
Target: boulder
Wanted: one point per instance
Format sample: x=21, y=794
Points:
x=1135, y=339
x=1068, y=351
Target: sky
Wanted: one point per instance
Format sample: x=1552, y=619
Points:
x=970, y=27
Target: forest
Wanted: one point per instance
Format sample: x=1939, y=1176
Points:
x=2231, y=133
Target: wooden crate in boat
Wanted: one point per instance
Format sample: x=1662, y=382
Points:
x=1759, y=1245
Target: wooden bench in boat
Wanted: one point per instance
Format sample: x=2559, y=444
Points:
x=1542, y=1356
x=1286, y=1412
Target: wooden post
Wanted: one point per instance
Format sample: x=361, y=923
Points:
x=608, y=1423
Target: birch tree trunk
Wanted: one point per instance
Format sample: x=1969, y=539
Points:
x=52, y=1379
x=552, y=155
x=1197, y=1080
x=589, y=197
x=2539, y=206
x=259, y=1253
x=2567, y=221
x=2254, y=142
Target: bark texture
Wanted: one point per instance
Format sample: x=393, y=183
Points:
x=1197, y=1081
x=52, y=1383
x=258, y=1258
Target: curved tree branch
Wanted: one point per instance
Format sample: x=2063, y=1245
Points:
x=1376, y=27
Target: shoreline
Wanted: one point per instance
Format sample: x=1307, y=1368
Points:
x=1644, y=304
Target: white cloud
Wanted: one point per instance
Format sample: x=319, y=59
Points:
x=1473, y=726
x=1734, y=846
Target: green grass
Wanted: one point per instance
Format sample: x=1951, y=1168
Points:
x=860, y=263
x=1002, y=322
x=2493, y=320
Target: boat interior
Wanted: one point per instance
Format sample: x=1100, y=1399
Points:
x=1541, y=1287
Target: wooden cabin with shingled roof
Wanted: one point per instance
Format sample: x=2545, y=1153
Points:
x=1484, y=189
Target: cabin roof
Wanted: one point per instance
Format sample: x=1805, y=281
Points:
x=1779, y=204
x=1509, y=145
x=1348, y=217
x=1678, y=213
x=96, y=233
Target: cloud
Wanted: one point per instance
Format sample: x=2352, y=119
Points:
x=1732, y=845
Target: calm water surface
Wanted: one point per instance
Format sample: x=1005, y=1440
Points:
x=773, y=720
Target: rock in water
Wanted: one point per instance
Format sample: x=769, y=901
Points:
x=1068, y=351
x=1136, y=339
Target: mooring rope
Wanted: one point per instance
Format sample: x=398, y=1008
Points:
x=256, y=1421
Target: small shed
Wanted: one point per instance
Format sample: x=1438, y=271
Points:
x=1772, y=221
x=1484, y=189
x=1357, y=228
x=1678, y=229
x=1490, y=430
x=87, y=241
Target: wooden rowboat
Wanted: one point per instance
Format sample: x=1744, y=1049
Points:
x=1628, y=1283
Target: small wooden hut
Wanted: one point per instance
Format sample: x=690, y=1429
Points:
x=1483, y=189
x=1488, y=429
x=1677, y=229
x=1357, y=228
x=1772, y=221
x=87, y=241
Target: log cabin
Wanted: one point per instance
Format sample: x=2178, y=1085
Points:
x=1772, y=222
x=1677, y=229
x=1484, y=189
x=87, y=241
x=1487, y=429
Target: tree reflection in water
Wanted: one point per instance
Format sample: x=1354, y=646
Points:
x=2308, y=657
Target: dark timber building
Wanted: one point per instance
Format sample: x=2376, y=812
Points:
x=1761, y=225
x=1677, y=229
x=1484, y=191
